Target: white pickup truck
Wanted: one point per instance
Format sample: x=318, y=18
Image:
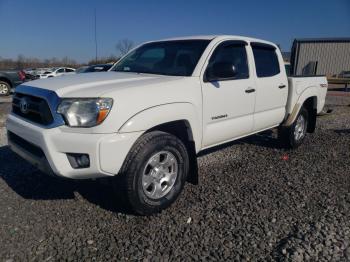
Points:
x=145, y=120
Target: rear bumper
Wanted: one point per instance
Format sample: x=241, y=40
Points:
x=107, y=152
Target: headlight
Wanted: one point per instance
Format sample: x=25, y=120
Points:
x=85, y=112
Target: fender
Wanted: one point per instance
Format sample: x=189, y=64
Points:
x=311, y=91
x=161, y=114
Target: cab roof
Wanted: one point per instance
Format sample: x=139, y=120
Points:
x=217, y=37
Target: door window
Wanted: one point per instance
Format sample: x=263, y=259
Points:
x=230, y=55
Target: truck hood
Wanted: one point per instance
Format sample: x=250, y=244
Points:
x=97, y=84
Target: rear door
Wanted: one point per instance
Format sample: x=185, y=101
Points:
x=272, y=86
x=228, y=104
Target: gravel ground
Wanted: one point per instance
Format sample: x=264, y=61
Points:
x=255, y=201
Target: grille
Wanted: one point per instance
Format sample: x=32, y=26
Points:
x=37, y=109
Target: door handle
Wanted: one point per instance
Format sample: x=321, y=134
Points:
x=281, y=86
x=250, y=90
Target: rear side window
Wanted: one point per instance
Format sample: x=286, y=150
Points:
x=266, y=61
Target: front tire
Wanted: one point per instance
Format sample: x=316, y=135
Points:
x=293, y=136
x=154, y=172
x=5, y=89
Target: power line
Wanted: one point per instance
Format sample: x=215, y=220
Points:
x=95, y=38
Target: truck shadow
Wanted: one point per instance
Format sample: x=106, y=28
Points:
x=30, y=183
x=266, y=139
x=342, y=131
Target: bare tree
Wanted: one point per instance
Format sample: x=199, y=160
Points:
x=123, y=46
x=20, y=62
x=65, y=60
x=23, y=62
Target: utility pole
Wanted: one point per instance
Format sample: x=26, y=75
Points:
x=95, y=38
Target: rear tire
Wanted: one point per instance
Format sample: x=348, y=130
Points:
x=5, y=89
x=293, y=136
x=154, y=172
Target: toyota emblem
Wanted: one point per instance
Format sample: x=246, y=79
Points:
x=23, y=105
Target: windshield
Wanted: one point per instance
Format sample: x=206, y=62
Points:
x=176, y=58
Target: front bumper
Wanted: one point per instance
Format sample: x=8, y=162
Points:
x=107, y=152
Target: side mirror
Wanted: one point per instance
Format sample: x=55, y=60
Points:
x=220, y=71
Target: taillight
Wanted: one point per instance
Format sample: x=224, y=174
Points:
x=22, y=75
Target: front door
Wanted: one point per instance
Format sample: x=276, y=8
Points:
x=228, y=103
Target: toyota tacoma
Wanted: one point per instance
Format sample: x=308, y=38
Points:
x=144, y=122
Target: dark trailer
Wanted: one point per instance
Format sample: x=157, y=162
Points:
x=320, y=56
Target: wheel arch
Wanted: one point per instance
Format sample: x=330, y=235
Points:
x=182, y=130
x=178, y=119
x=163, y=115
x=4, y=79
x=309, y=100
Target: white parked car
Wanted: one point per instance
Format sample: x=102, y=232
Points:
x=39, y=71
x=58, y=71
x=144, y=122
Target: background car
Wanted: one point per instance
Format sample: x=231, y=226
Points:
x=94, y=68
x=39, y=71
x=344, y=74
x=81, y=69
x=9, y=79
x=30, y=76
x=58, y=71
